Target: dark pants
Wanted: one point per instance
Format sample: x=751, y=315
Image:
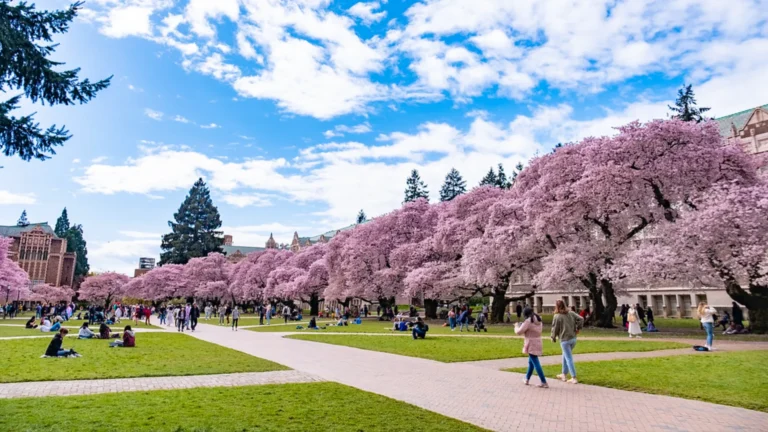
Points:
x=234, y=323
x=193, y=322
x=261, y=319
x=419, y=333
x=286, y=318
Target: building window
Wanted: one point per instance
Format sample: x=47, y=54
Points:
x=762, y=145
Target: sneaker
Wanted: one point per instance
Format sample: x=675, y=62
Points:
x=525, y=381
x=562, y=377
x=572, y=381
x=543, y=385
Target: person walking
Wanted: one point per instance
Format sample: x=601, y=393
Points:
x=633, y=319
x=623, y=314
x=452, y=319
x=222, y=311
x=565, y=325
x=227, y=313
x=207, y=311
x=518, y=311
x=181, y=318
x=261, y=314
x=707, y=318
x=286, y=313
x=641, y=314
x=235, y=317
x=531, y=328
x=464, y=318
x=194, y=315
x=268, y=313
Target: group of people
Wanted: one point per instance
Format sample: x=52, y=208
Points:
x=56, y=349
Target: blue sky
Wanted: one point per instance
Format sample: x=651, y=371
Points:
x=300, y=113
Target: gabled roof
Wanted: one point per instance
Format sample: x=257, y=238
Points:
x=245, y=250
x=738, y=119
x=15, y=230
x=329, y=234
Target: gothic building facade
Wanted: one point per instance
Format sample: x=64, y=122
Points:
x=42, y=254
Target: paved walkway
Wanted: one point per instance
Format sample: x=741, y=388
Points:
x=489, y=398
x=87, y=387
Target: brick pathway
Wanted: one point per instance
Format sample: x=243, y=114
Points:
x=489, y=398
x=87, y=387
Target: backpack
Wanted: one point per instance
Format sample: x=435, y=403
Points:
x=700, y=348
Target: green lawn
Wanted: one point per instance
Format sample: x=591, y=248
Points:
x=727, y=378
x=458, y=349
x=156, y=354
x=278, y=408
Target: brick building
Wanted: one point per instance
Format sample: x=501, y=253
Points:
x=41, y=254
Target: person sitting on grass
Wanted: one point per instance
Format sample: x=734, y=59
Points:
x=129, y=339
x=45, y=326
x=85, y=332
x=724, y=320
x=31, y=323
x=106, y=333
x=420, y=329
x=56, y=325
x=54, y=348
x=312, y=324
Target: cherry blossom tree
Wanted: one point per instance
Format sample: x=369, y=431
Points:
x=304, y=277
x=250, y=276
x=51, y=294
x=14, y=281
x=209, y=277
x=600, y=195
x=161, y=283
x=723, y=242
x=105, y=287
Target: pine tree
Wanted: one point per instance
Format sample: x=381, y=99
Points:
x=516, y=172
x=361, y=217
x=26, y=36
x=501, y=179
x=76, y=243
x=22, y=222
x=453, y=186
x=194, y=232
x=62, y=224
x=415, y=188
x=685, y=108
x=489, y=179
x=557, y=147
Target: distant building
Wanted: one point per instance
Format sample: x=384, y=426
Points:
x=749, y=128
x=42, y=254
x=237, y=253
x=145, y=265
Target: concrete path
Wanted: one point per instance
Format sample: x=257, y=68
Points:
x=488, y=398
x=517, y=362
x=87, y=387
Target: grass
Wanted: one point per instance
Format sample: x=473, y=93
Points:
x=458, y=349
x=156, y=354
x=728, y=378
x=287, y=407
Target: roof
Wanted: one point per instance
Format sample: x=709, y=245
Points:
x=328, y=235
x=245, y=250
x=15, y=230
x=738, y=119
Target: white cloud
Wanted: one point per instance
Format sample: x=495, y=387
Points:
x=134, y=88
x=210, y=126
x=247, y=200
x=8, y=198
x=340, y=130
x=121, y=255
x=128, y=21
x=99, y=159
x=76, y=161
x=154, y=115
x=365, y=11
x=140, y=234
x=180, y=119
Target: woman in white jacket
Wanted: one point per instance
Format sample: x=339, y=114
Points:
x=634, y=323
x=706, y=315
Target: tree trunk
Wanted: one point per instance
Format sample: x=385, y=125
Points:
x=430, y=308
x=498, y=306
x=314, y=305
x=758, y=320
x=605, y=319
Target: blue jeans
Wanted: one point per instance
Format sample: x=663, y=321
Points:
x=452, y=322
x=567, y=347
x=463, y=324
x=710, y=329
x=419, y=334
x=533, y=363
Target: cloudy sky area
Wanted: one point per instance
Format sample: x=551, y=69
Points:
x=300, y=113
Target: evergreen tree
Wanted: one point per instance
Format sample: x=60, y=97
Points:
x=22, y=222
x=26, y=36
x=76, y=243
x=415, y=188
x=194, y=232
x=489, y=179
x=516, y=172
x=454, y=186
x=501, y=179
x=62, y=224
x=557, y=147
x=361, y=217
x=685, y=108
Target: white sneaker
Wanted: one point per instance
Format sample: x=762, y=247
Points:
x=572, y=381
x=525, y=381
x=562, y=377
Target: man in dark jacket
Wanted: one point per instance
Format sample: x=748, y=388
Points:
x=194, y=314
x=641, y=313
x=54, y=348
x=737, y=315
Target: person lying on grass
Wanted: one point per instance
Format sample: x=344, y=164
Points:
x=129, y=339
x=420, y=329
x=54, y=348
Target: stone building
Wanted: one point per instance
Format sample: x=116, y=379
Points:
x=42, y=254
x=748, y=128
x=237, y=253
